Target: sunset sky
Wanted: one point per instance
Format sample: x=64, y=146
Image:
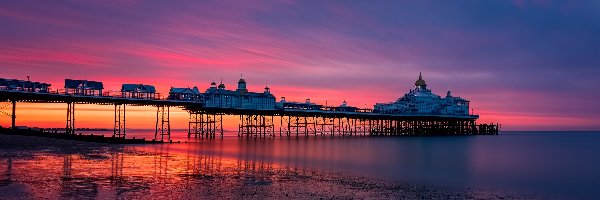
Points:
x=529, y=65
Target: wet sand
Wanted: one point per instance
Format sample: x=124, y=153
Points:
x=32, y=167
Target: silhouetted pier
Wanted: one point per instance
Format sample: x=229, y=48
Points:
x=260, y=118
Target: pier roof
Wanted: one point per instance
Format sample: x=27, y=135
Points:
x=94, y=85
x=138, y=88
x=7, y=82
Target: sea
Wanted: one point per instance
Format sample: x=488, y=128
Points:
x=514, y=164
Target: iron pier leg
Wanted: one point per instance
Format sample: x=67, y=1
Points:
x=164, y=123
x=314, y=125
x=364, y=127
x=70, y=128
x=168, y=121
x=116, y=122
x=124, y=126
x=73, y=118
x=289, y=121
x=370, y=127
x=297, y=127
x=272, y=126
x=119, y=126
x=14, y=114
x=156, y=127
x=221, y=125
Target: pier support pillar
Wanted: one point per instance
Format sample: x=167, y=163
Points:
x=285, y=124
x=300, y=125
x=323, y=125
x=119, y=126
x=70, y=128
x=14, y=114
x=256, y=125
x=203, y=124
x=163, y=125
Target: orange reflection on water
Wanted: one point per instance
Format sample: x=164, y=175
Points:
x=108, y=172
x=234, y=168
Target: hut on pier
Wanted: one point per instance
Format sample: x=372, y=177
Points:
x=83, y=87
x=306, y=105
x=185, y=94
x=22, y=85
x=345, y=108
x=138, y=91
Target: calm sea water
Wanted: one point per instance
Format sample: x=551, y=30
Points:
x=550, y=164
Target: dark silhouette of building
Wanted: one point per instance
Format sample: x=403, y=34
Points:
x=83, y=87
x=138, y=91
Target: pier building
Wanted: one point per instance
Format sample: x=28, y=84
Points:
x=185, y=94
x=138, y=91
x=241, y=98
x=345, y=108
x=421, y=100
x=22, y=85
x=83, y=87
x=306, y=105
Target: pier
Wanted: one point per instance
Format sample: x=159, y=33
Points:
x=259, y=114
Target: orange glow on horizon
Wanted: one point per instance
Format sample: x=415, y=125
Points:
x=53, y=115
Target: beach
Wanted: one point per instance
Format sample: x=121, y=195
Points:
x=33, y=167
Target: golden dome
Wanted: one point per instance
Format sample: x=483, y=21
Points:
x=420, y=81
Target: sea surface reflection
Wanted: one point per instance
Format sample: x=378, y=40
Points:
x=518, y=164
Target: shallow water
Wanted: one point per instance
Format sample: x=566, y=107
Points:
x=514, y=165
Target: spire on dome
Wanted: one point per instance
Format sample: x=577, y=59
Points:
x=221, y=86
x=242, y=84
x=242, y=79
x=420, y=82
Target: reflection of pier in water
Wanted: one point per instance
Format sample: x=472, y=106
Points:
x=124, y=172
x=203, y=167
x=76, y=187
x=6, y=177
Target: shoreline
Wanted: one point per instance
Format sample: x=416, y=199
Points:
x=162, y=174
x=78, y=137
